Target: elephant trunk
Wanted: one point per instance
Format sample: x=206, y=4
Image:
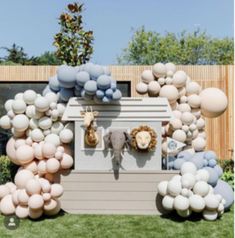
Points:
x=117, y=156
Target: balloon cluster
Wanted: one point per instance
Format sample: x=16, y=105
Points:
x=39, y=145
x=190, y=192
x=188, y=102
x=198, y=188
x=89, y=81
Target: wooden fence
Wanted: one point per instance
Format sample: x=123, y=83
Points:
x=220, y=131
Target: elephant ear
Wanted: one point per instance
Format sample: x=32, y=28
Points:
x=107, y=140
x=128, y=138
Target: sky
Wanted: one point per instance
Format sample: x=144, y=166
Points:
x=33, y=23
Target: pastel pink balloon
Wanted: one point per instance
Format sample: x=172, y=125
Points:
x=23, y=197
x=7, y=206
x=22, y=177
x=52, y=165
x=35, y=214
x=33, y=187
x=56, y=190
x=11, y=152
x=66, y=162
x=48, y=150
x=36, y=201
x=25, y=154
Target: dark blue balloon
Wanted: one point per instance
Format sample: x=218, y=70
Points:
x=99, y=94
x=109, y=93
x=66, y=94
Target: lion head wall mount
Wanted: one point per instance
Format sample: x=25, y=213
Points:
x=144, y=138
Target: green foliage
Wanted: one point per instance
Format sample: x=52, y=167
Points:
x=228, y=171
x=74, y=45
x=229, y=178
x=15, y=54
x=48, y=58
x=5, y=169
x=148, y=47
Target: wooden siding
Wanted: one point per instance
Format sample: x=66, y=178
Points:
x=92, y=192
x=220, y=131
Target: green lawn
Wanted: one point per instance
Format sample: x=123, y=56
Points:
x=65, y=225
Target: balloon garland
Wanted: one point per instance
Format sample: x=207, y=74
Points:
x=198, y=188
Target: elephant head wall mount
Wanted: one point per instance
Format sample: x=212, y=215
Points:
x=144, y=138
x=117, y=140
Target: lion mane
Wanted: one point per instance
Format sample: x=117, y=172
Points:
x=152, y=133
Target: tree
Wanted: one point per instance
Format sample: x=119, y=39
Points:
x=48, y=58
x=15, y=54
x=147, y=47
x=74, y=45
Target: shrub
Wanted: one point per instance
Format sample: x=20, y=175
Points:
x=7, y=169
x=229, y=178
x=228, y=169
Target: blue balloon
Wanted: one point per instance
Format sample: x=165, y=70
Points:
x=66, y=76
x=225, y=190
x=105, y=99
x=77, y=93
x=212, y=163
x=117, y=95
x=54, y=83
x=99, y=94
x=90, y=87
x=96, y=71
x=103, y=82
x=198, y=160
x=184, y=155
x=213, y=178
x=219, y=170
x=178, y=163
x=82, y=77
x=109, y=93
x=210, y=155
x=83, y=92
x=66, y=94
x=205, y=163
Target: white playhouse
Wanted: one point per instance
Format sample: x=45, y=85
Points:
x=95, y=185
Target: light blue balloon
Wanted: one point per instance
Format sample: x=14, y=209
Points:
x=105, y=99
x=54, y=83
x=113, y=86
x=90, y=87
x=83, y=92
x=103, y=82
x=213, y=178
x=66, y=94
x=96, y=71
x=66, y=76
x=184, y=155
x=99, y=94
x=82, y=77
x=210, y=155
x=109, y=93
x=225, y=190
x=212, y=163
x=205, y=162
x=86, y=67
x=171, y=165
x=198, y=160
x=117, y=95
x=178, y=163
x=219, y=170
x=46, y=90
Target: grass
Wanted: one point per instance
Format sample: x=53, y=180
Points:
x=116, y=226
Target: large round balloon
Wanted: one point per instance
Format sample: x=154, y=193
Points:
x=225, y=190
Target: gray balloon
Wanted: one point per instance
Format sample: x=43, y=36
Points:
x=219, y=170
x=54, y=83
x=66, y=76
x=225, y=190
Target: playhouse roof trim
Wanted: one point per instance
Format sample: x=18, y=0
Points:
x=127, y=109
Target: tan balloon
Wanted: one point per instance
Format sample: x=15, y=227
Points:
x=147, y=76
x=7, y=206
x=52, y=165
x=66, y=162
x=213, y=102
x=36, y=201
x=22, y=178
x=56, y=190
x=22, y=211
x=25, y=154
x=170, y=92
x=33, y=187
x=35, y=214
x=23, y=197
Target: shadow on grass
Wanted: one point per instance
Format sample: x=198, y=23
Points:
x=45, y=217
